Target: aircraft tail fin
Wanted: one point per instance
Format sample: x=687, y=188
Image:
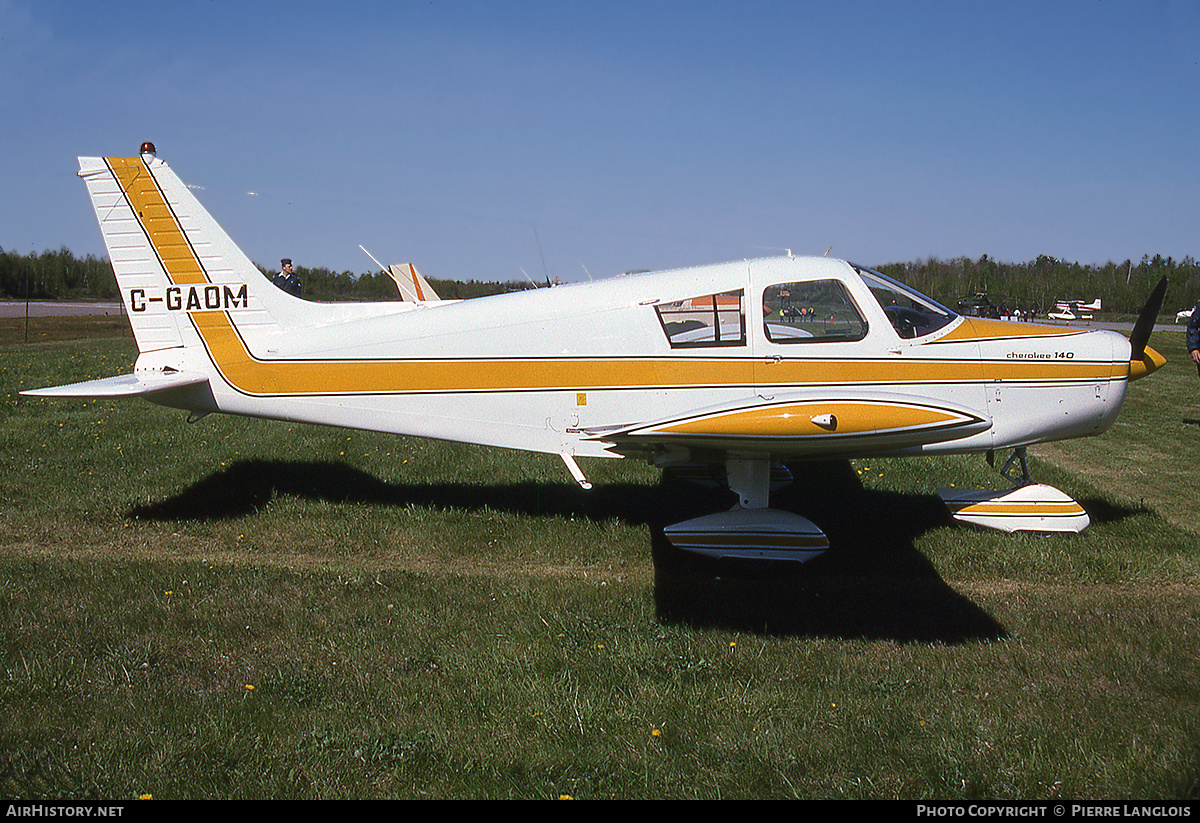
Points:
x=173, y=263
x=411, y=283
x=204, y=317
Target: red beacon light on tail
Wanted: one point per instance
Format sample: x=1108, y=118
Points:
x=148, y=148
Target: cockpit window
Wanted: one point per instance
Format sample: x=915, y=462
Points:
x=911, y=313
x=814, y=311
x=701, y=322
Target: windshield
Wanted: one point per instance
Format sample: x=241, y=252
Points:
x=911, y=313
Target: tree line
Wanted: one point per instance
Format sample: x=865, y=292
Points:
x=60, y=275
x=1032, y=287
x=1036, y=285
x=55, y=275
x=326, y=285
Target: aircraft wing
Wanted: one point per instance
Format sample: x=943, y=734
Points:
x=138, y=384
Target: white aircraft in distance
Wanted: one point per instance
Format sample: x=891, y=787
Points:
x=736, y=366
x=1079, y=305
x=1074, y=309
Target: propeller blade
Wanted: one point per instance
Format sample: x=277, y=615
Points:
x=1145, y=322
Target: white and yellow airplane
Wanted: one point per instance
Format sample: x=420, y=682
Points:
x=735, y=366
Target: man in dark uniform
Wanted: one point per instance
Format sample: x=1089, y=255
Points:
x=1193, y=336
x=287, y=280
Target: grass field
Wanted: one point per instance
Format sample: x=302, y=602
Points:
x=241, y=609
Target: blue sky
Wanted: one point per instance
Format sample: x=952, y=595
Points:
x=490, y=140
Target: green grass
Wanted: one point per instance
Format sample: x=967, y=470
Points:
x=50, y=329
x=1150, y=452
x=236, y=608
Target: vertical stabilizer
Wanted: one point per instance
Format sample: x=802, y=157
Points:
x=411, y=283
x=171, y=259
x=137, y=267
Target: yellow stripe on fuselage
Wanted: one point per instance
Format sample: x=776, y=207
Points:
x=256, y=376
x=266, y=377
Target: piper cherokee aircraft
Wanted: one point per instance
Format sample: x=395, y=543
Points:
x=726, y=369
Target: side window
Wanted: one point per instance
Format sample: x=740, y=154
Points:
x=815, y=311
x=699, y=322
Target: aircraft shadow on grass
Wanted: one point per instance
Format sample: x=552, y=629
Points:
x=872, y=583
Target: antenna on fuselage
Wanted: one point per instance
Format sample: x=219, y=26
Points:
x=542, y=255
x=376, y=262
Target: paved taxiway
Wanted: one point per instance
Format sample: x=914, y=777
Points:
x=37, y=308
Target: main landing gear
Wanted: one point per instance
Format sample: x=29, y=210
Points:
x=751, y=530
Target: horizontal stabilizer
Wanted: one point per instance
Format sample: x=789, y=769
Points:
x=138, y=384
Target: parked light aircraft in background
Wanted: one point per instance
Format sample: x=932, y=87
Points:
x=735, y=366
x=1074, y=309
x=1079, y=305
